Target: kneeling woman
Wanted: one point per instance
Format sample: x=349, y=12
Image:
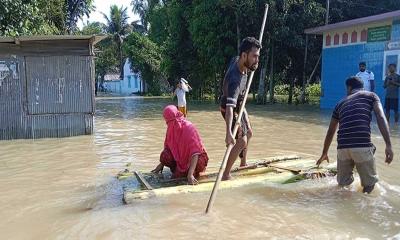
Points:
x=183, y=152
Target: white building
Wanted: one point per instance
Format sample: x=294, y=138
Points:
x=131, y=84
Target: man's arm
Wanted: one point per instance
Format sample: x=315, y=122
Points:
x=384, y=129
x=396, y=81
x=372, y=84
x=328, y=140
x=385, y=84
x=372, y=81
x=229, y=139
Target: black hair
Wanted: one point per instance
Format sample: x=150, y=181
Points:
x=393, y=64
x=247, y=44
x=362, y=64
x=354, y=82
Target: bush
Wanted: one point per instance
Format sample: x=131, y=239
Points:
x=282, y=89
x=312, y=94
x=314, y=90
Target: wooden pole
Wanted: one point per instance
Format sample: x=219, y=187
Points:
x=235, y=129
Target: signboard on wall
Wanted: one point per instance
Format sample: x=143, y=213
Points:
x=379, y=34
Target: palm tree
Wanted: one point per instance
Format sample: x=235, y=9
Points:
x=118, y=28
x=76, y=9
x=141, y=7
x=138, y=27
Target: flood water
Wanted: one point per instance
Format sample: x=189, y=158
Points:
x=66, y=188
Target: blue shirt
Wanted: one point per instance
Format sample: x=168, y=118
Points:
x=354, y=114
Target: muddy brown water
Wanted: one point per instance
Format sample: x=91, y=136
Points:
x=66, y=188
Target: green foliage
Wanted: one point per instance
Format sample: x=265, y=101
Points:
x=23, y=17
x=197, y=39
x=32, y=17
x=75, y=10
x=106, y=60
x=314, y=90
x=93, y=28
x=145, y=57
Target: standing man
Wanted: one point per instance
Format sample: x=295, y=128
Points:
x=181, y=89
x=392, y=83
x=367, y=77
x=233, y=91
x=353, y=115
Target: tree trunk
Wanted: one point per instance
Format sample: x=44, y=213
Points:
x=303, y=91
x=121, y=61
x=261, y=95
x=216, y=83
x=290, y=100
x=271, y=75
x=237, y=31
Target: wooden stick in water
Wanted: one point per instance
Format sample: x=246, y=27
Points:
x=143, y=181
x=229, y=148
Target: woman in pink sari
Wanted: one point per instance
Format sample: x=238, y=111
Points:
x=183, y=152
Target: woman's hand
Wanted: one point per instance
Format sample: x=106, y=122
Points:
x=192, y=180
x=158, y=169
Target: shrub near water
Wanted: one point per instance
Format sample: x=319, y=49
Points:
x=313, y=92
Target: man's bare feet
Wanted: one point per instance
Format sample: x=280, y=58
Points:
x=229, y=177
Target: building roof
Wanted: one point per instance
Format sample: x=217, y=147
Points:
x=112, y=77
x=93, y=38
x=350, y=23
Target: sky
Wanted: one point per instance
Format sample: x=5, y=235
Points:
x=104, y=6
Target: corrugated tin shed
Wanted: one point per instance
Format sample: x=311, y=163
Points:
x=46, y=86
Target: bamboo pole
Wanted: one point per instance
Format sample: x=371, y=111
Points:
x=229, y=148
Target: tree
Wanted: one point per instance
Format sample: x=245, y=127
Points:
x=75, y=10
x=23, y=17
x=141, y=7
x=199, y=38
x=105, y=60
x=145, y=57
x=31, y=17
x=118, y=28
x=93, y=28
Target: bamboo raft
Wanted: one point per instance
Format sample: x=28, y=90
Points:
x=281, y=169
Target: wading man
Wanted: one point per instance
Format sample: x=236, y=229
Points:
x=233, y=91
x=366, y=76
x=391, y=84
x=353, y=115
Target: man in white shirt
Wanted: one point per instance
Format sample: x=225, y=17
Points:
x=367, y=77
x=182, y=88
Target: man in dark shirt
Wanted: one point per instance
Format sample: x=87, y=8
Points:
x=392, y=83
x=353, y=115
x=233, y=91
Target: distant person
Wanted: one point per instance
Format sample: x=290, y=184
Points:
x=181, y=89
x=392, y=83
x=183, y=152
x=353, y=115
x=367, y=77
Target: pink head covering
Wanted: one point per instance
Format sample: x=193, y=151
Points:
x=182, y=138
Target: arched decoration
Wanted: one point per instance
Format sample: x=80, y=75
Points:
x=336, y=39
x=345, y=38
x=364, y=35
x=354, y=37
x=328, y=40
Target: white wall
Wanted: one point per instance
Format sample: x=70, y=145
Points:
x=132, y=83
